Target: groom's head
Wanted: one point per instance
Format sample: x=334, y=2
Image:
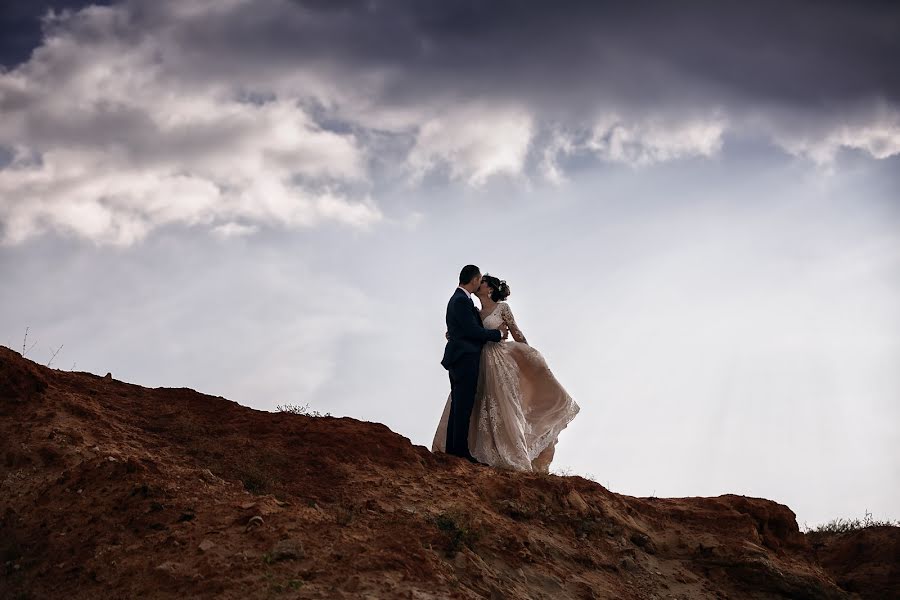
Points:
x=470, y=278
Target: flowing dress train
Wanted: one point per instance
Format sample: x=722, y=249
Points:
x=520, y=407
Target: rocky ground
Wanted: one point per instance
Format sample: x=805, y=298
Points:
x=112, y=490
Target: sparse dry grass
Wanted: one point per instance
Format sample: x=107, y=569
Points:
x=296, y=409
x=844, y=525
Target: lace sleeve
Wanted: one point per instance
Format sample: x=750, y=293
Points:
x=506, y=313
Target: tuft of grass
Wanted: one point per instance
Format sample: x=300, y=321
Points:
x=343, y=515
x=458, y=532
x=256, y=477
x=286, y=586
x=255, y=481
x=563, y=472
x=296, y=409
x=278, y=586
x=844, y=525
x=10, y=551
x=258, y=471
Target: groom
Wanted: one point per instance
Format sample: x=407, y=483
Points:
x=462, y=357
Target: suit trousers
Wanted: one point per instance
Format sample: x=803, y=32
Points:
x=463, y=386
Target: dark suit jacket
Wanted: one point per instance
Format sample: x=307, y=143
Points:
x=465, y=329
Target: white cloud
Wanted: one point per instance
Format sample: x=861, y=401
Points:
x=636, y=141
x=879, y=137
x=475, y=142
x=559, y=144
x=646, y=141
x=109, y=145
x=227, y=230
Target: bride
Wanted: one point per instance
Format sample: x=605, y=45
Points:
x=520, y=407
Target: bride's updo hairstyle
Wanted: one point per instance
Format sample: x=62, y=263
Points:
x=499, y=288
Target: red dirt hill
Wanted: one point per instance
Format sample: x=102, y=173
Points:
x=112, y=490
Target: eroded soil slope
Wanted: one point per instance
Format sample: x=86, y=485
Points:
x=112, y=490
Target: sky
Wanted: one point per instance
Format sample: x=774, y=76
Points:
x=696, y=206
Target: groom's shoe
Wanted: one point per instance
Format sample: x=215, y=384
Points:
x=475, y=461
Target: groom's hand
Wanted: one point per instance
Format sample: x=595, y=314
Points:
x=504, y=331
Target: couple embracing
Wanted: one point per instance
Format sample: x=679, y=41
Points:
x=506, y=408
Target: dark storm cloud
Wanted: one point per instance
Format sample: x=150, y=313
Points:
x=809, y=54
x=806, y=54
x=812, y=76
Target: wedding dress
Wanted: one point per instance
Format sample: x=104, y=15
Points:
x=520, y=407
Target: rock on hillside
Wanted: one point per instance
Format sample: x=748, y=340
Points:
x=112, y=490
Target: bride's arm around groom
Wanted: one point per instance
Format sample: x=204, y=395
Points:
x=464, y=330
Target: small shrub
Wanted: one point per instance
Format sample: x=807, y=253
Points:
x=255, y=481
x=296, y=409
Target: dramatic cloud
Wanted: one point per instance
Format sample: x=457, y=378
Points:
x=107, y=144
x=235, y=115
x=874, y=129
x=474, y=142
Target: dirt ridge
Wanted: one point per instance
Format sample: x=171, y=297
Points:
x=114, y=490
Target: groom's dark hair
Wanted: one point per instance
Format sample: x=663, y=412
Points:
x=468, y=273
